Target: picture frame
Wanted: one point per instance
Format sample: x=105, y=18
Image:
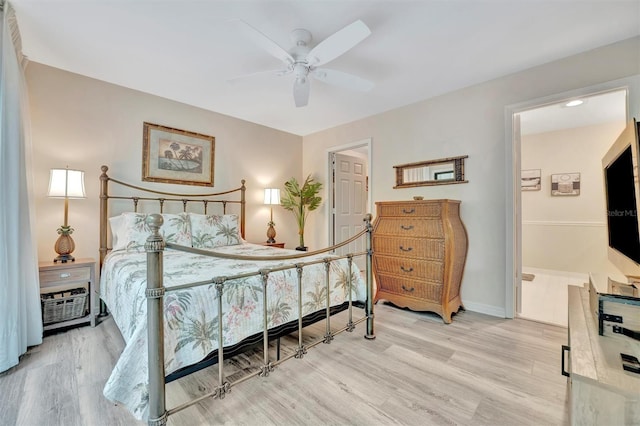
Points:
x=531, y=179
x=565, y=184
x=177, y=156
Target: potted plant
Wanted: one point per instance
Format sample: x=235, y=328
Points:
x=300, y=200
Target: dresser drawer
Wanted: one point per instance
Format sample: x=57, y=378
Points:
x=63, y=275
x=410, y=288
x=410, y=227
x=410, y=210
x=420, y=248
x=410, y=268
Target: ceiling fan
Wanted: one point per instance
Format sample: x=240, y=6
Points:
x=303, y=61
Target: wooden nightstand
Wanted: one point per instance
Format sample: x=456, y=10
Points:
x=279, y=245
x=68, y=306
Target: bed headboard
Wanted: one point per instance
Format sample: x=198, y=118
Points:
x=138, y=194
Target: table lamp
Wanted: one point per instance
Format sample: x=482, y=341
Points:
x=271, y=197
x=65, y=183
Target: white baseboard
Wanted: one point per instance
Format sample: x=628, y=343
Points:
x=563, y=223
x=494, y=311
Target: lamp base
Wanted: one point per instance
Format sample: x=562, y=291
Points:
x=64, y=258
x=271, y=234
x=64, y=247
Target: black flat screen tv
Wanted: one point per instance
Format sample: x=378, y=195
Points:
x=622, y=195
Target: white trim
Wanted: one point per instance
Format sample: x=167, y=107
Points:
x=494, y=311
x=512, y=160
x=563, y=223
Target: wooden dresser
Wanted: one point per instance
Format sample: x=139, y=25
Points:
x=419, y=252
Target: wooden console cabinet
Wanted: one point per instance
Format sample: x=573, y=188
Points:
x=601, y=392
x=419, y=252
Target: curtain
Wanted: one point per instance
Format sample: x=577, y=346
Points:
x=20, y=317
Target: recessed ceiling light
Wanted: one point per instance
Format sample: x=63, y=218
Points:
x=573, y=103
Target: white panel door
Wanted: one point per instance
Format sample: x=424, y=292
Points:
x=350, y=202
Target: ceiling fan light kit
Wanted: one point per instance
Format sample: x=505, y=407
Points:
x=302, y=61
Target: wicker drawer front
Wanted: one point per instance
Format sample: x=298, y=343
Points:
x=410, y=288
x=65, y=307
x=410, y=209
x=420, y=248
x=410, y=268
x=63, y=275
x=410, y=227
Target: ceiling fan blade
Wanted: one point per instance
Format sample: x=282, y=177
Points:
x=343, y=79
x=301, y=92
x=264, y=42
x=338, y=43
x=279, y=72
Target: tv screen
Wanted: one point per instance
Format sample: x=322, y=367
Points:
x=622, y=212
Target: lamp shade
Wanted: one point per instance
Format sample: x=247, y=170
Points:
x=272, y=196
x=65, y=183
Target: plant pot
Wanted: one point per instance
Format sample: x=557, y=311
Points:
x=302, y=248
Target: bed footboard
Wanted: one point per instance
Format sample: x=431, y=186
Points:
x=155, y=291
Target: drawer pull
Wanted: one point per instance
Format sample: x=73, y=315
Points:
x=406, y=269
x=406, y=228
x=65, y=275
x=566, y=349
x=405, y=211
x=406, y=249
x=407, y=289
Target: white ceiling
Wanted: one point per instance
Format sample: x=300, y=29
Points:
x=595, y=109
x=187, y=50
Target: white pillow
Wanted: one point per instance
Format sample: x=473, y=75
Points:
x=132, y=230
x=210, y=231
x=116, y=223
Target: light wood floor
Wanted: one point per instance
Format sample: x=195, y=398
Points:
x=479, y=370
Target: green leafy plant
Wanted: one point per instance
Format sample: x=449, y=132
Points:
x=300, y=200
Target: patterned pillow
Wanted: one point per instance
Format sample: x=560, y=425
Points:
x=134, y=231
x=210, y=231
x=176, y=229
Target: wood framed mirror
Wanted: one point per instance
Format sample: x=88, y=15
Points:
x=444, y=171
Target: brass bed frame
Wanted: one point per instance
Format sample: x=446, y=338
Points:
x=155, y=245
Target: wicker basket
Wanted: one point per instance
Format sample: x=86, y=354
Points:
x=64, y=305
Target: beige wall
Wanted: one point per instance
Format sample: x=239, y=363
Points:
x=567, y=233
x=469, y=121
x=84, y=123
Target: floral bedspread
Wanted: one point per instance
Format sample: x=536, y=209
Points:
x=191, y=315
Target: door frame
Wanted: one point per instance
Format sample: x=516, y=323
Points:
x=331, y=184
x=513, y=214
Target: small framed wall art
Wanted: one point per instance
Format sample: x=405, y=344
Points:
x=177, y=156
x=530, y=180
x=565, y=184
